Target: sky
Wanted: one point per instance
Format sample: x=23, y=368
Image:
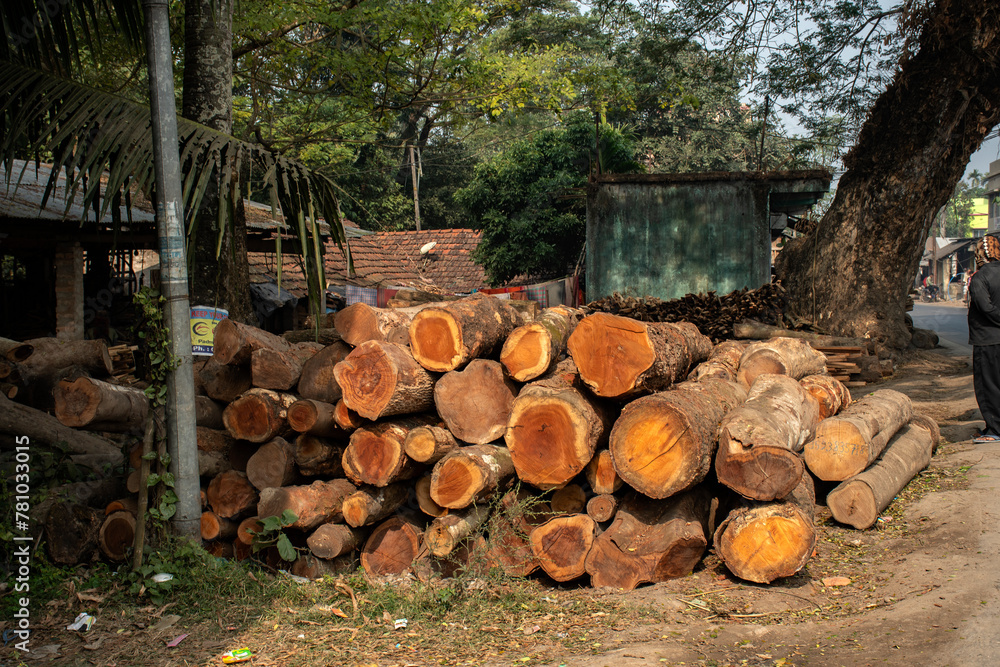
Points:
x=988, y=152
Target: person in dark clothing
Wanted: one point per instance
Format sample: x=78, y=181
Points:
x=984, y=335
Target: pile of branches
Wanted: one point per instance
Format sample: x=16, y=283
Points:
x=713, y=315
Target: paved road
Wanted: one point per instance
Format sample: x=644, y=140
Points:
x=949, y=320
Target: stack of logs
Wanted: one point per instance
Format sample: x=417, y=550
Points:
x=427, y=438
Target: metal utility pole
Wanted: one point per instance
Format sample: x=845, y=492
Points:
x=182, y=443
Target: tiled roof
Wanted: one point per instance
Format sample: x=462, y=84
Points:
x=386, y=259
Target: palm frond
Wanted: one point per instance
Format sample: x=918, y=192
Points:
x=100, y=139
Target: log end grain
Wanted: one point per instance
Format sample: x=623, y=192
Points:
x=548, y=440
x=561, y=545
x=837, y=452
x=435, y=340
x=117, y=535
x=766, y=542
x=853, y=503
x=611, y=353
x=392, y=547
x=527, y=352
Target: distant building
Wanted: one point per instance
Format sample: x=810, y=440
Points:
x=993, y=195
x=980, y=223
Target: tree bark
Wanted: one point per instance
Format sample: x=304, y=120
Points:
x=561, y=545
x=258, y=415
x=829, y=392
x=382, y=380
x=314, y=504
x=665, y=443
x=360, y=323
x=317, y=380
x=447, y=532
x=852, y=273
x=448, y=336
x=311, y=567
x=326, y=336
x=225, y=383
x=272, y=465
x=476, y=401
x=230, y=494
x=847, y=444
x=429, y=444
x=651, y=540
x=208, y=413
x=335, y=539
x=52, y=354
x=723, y=362
x=277, y=369
x=859, y=500
x=313, y=417
x=619, y=357
x=470, y=474
x=782, y=356
x=749, y=329
x=759, y=442
x=531, y=349
x=318, y=456
x=235, y=343
x=97, y=405
x=14, y=350
x=370, y=504
x=375, y=454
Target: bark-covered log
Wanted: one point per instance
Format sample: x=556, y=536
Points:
x=272, y=465
x=376, y=456
x=764, y=541
x=619, y=357
x=235, y=343
x=51, y=354
x=470, y=474
x=570, y=499
x=208, y=413
x=476, y=401
x=859, y=500
x=258, y=415
x=603, y=507
x=393, y=546
x=758, y=331
x=313, y=417
x=230, y=494
x=531, y=349
x=224, y=383
x=347, y=419
x=847, y=444
x=215, y=527
x=279, y=369
x=319, y=456
x=664, y=443
x=651, y=540
x=116, y=535
x=601, y=473
x=448, y=336
x=829, y=392
x=313, y=504
x=9, y=390
x=780, y=356
x=429, y=444
x=723, y=362
x=561, y=545
x=247, y=528
x=71, y=532
x=97, y=405
x=317, y=380
x=371, y=504
x=382, y=380
x=324, y=336
x=130, y=505
x=311, y=567
x=554, y=430
x=360, y=323
x=14, y=350
x=759, y=443
x=335, y=539
x=445, y=533
x=220, y=549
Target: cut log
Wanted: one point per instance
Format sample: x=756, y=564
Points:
x=761, y=542
x=97, y=405
x=829, y=392
x=130, y=505
x=601, y=473
x=335, y=539
x=10, y=372
x=375, y=454
x=561, y=545
x=211, y=464
x=509, y=546
x=426, y=504
x=476, y=401
x=313, y=417
x=602, y=508
x=39, y=427
x=272, y=465
x=925, y=422
x=317, y=380
x=570, y=499
x=347, y=419
x=116, y=536
x=759, y=443
x=9, y=390
x=449, y=336
x=13, y=350
x=247, y=529
x=258, y=415
x=531, y=349
x=447, y=532
x=132, y=482
x=664, y=443
x=52, y=354
x=212, y=440
x=859, y=500
x=723, y=362
x=393, y=546
x=325, y=336
x=847, y=444
x=208, y=413
x=429, y=444
x=72, y=532
x=230, y=494
x=370, y=505
x=280, y=369
x=554, y=430
x=470, y=474
x=381, y=379
x=214, y=527
x=311, y=567
x=619, y=357
x=314, y=504
x=318, y=456
x=750, y=329
x=224, y=383
x=780, y=356
x=651, y=540
x=360, y=323
x=235, y=342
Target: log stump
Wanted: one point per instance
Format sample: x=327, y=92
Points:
x=375, y=454
x=258, y=415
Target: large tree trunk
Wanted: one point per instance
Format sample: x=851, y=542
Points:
x=851, y=274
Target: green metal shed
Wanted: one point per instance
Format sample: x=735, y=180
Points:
x=667, y=235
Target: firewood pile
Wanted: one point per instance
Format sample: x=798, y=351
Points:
x=582, y=445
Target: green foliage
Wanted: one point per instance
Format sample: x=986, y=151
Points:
x=957, y=213
x=272, y=534
x=528, y=199
x=155, y=335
